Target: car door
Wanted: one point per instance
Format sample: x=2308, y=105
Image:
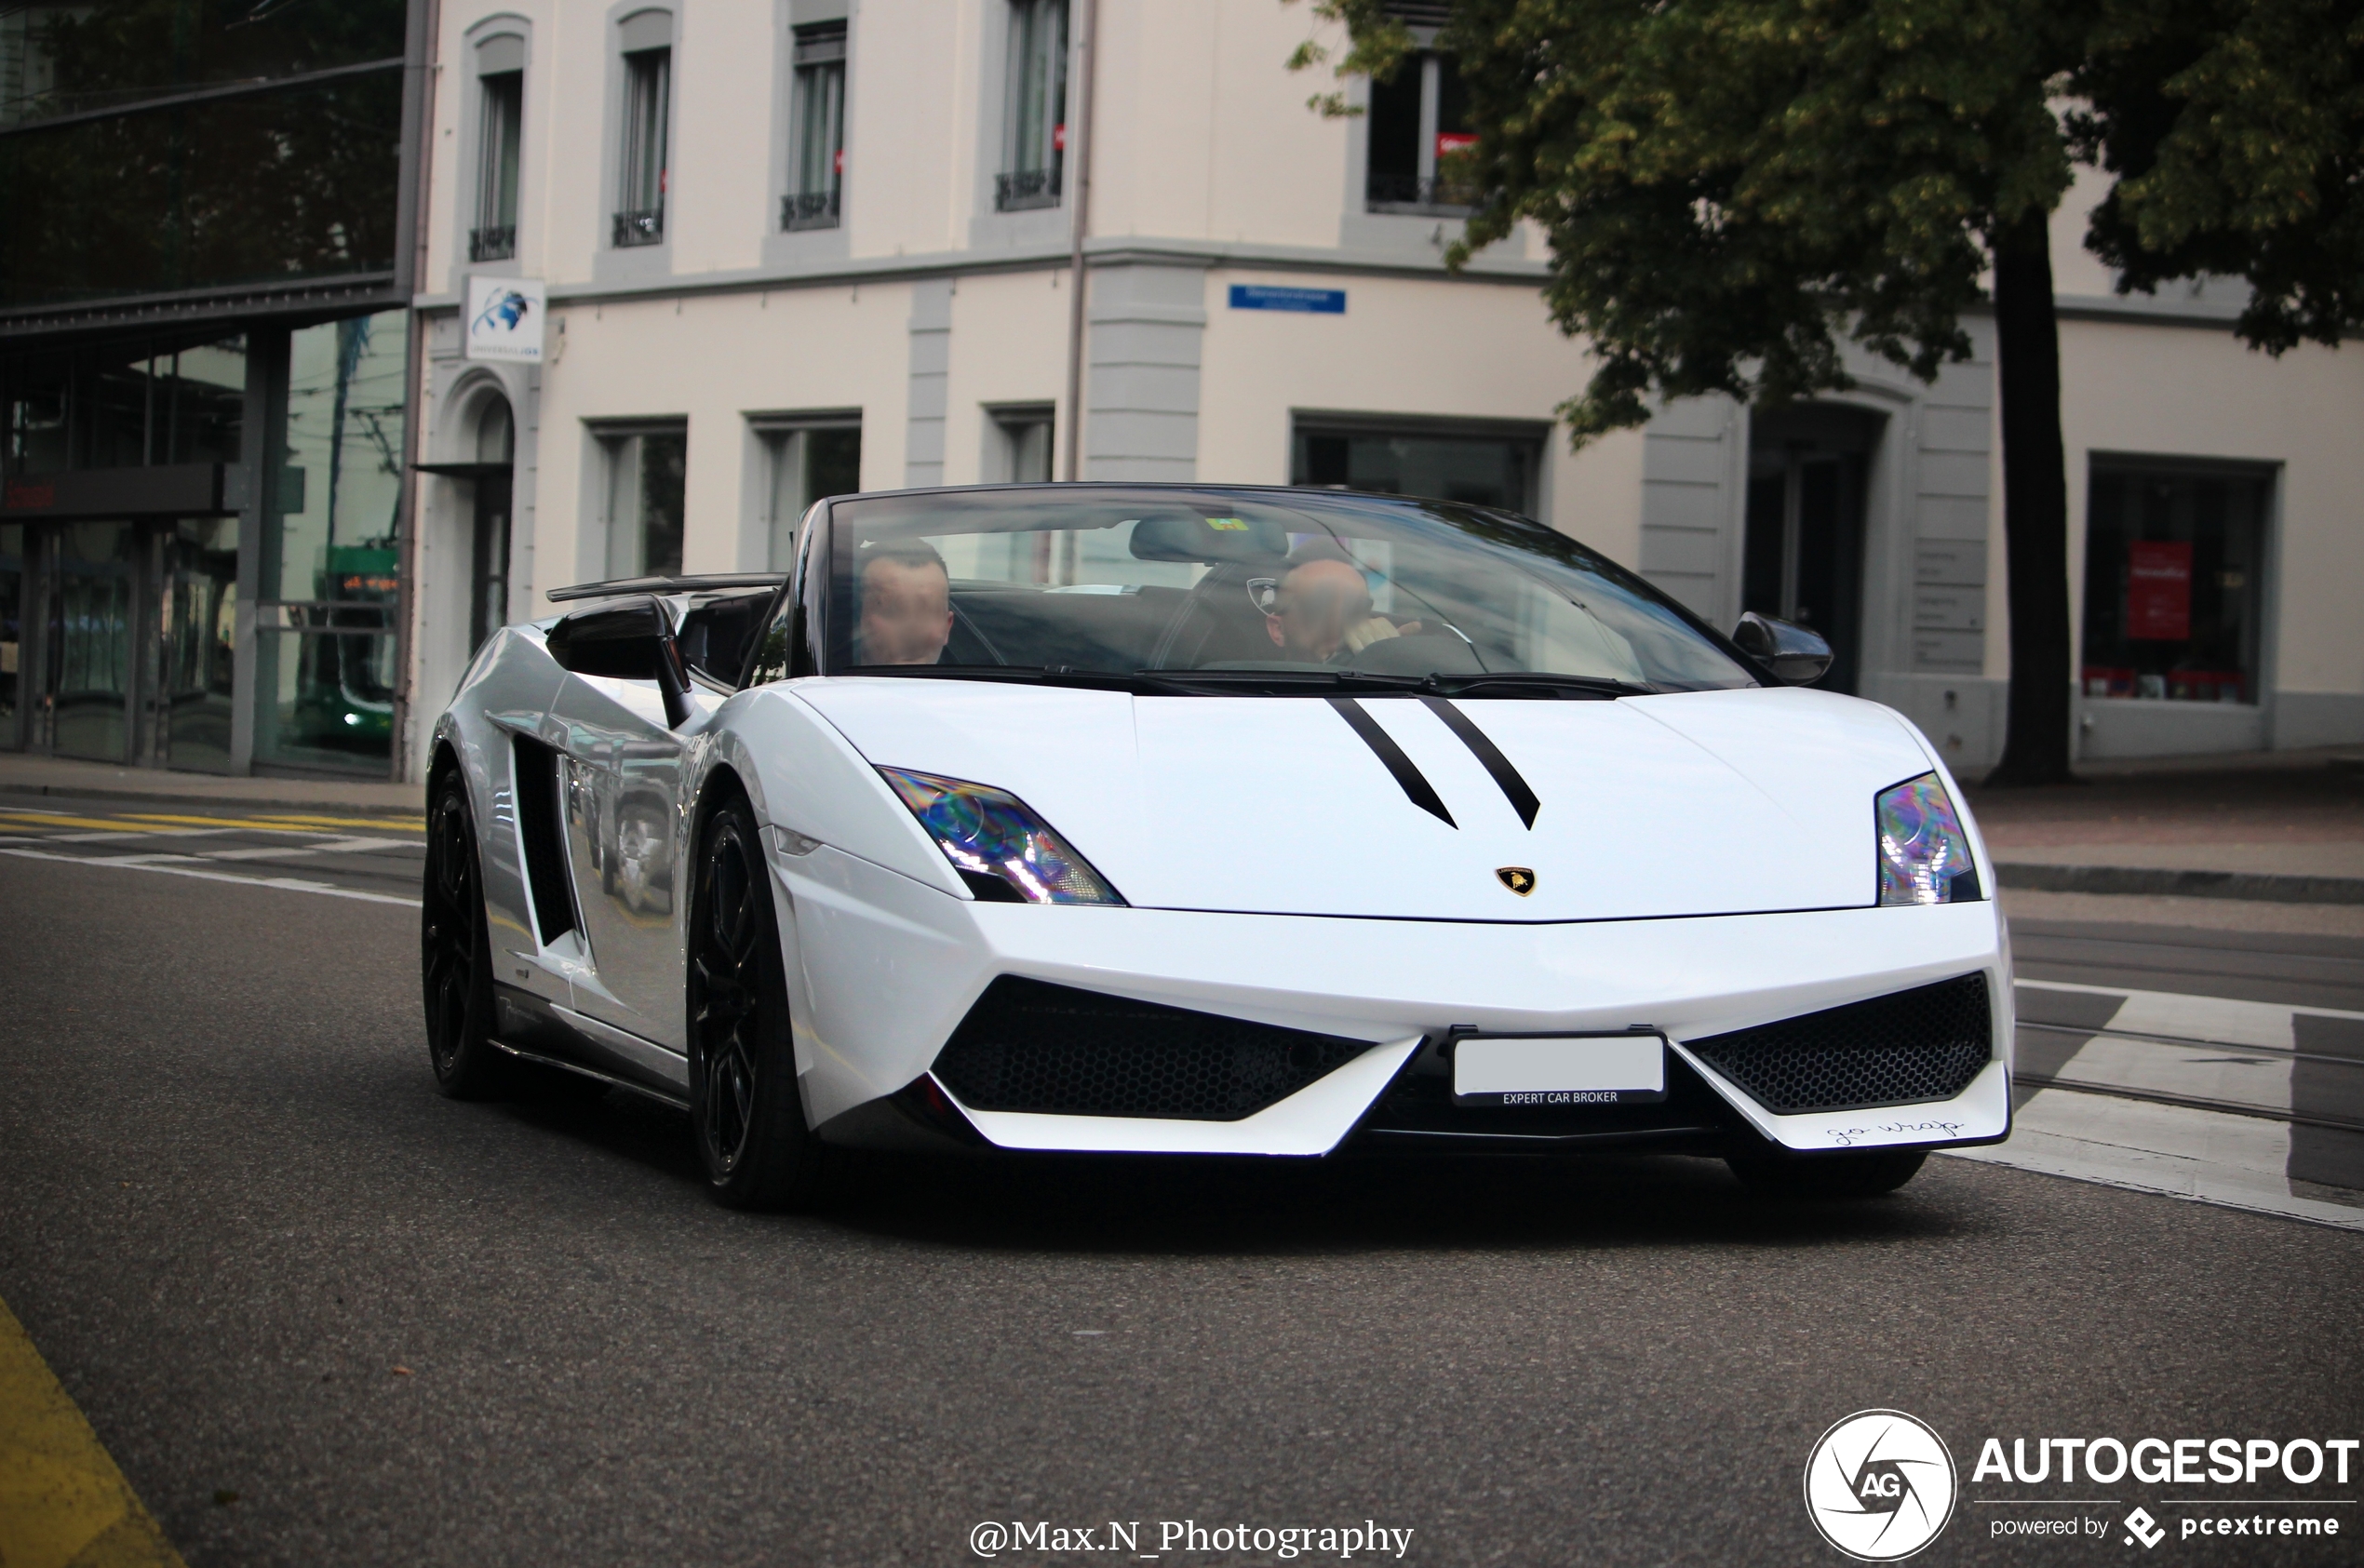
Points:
x=621, y=791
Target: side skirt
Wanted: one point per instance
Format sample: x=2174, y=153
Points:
x=536, y=1029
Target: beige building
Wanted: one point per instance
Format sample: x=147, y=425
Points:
x=795, y=247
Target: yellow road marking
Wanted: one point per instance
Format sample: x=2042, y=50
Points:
x=40, y=819
x=62, y=1499
x=284, y=822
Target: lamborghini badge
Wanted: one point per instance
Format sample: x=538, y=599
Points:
x=1518, y=878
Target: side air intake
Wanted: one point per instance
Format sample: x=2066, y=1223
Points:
x=1030, y=1046
x=1923, y=1044
x=539, y=816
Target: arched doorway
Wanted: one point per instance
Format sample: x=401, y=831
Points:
x=1809, y=469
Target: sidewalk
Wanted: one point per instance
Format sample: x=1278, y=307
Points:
x=2192, y=841
x=21, y=774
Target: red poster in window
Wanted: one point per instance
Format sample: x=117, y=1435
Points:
x=1058, y=138
x=2158, y=590
x=1451, y=142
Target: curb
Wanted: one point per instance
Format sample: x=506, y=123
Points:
x=2257, y=887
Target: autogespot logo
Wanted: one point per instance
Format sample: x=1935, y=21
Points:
x=1880, y=1485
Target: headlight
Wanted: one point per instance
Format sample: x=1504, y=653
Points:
x=1004, y=851
x=1924, y=856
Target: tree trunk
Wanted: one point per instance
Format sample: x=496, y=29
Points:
x=2035, y=743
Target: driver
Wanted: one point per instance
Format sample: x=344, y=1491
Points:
x=906, y=603
x=1323, y=607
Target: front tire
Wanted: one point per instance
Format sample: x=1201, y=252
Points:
x=455, y=956
x=744, y=1102
x=1823, y=1177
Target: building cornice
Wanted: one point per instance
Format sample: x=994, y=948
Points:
x=1112, y=251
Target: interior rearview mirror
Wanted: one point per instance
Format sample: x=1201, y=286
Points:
x=629, y=641
x=1796, y=656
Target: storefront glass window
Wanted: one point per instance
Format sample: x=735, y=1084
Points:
x=326, y=639
x=2171, y=583
x=126, y=404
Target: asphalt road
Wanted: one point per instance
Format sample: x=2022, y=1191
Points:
x=269, y=1261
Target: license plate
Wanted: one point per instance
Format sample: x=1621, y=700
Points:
x=1559, y=1069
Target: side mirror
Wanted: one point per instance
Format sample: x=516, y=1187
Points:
x=630, y=641
x=1796, y=656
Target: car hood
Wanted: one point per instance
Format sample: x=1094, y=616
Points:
x=1696, y=803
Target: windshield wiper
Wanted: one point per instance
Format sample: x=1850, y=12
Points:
x=1045, y=675
x=1271, y=683
x=1285, y=682
x=1538, y=683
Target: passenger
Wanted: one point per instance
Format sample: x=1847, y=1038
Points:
x=1323, y=607
x=906, y=603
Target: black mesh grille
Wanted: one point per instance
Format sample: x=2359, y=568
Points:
x=1923, y=1044
x=1031, y=1046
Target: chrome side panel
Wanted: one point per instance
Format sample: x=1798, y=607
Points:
x=508, y=691
x=623, y=800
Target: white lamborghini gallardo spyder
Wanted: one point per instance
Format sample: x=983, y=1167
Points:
x=1207, y=820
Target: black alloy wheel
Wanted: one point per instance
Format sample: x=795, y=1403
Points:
x=1814, y=1177
x=743, y=1100
x=455, y=953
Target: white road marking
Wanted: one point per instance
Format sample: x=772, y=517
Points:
x=2256, y=1020
x=2204, y=1156
x=338, y=846
x=149, y=862
x=2192, y=1047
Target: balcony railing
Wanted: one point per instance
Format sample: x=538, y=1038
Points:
x=1443, y=195
x=492, y=245
x=645, y=227
x=808, y=209
x=1026, y=188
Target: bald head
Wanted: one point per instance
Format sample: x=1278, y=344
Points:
x=1321, y=600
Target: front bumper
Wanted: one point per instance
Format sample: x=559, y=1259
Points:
x=885, y=970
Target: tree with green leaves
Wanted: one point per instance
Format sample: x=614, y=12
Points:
x=1733, y=188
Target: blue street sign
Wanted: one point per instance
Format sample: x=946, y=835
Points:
x=1263, y=295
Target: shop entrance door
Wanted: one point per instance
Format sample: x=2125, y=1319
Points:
x=15, y=582
x=200, y=587
x=88, y=674
x=1803, y=554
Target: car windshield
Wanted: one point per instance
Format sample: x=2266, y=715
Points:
x=1189, y=589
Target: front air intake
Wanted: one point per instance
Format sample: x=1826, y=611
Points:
x=1030, y=1046
x=1911, y=1046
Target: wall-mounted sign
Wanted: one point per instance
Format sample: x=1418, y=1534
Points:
x=504, y=319
x=1307, y=302
x=1451, y=142
x=2159, y=590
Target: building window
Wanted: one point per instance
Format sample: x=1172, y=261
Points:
x=1420, y=141
x=502, y=122
x=817, y=153
x=646, y=470
x=808, y=458
x=1034, y=135
x=1019, y=445
x=2172, y=560
x=1442, y=462
x=648, y=96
